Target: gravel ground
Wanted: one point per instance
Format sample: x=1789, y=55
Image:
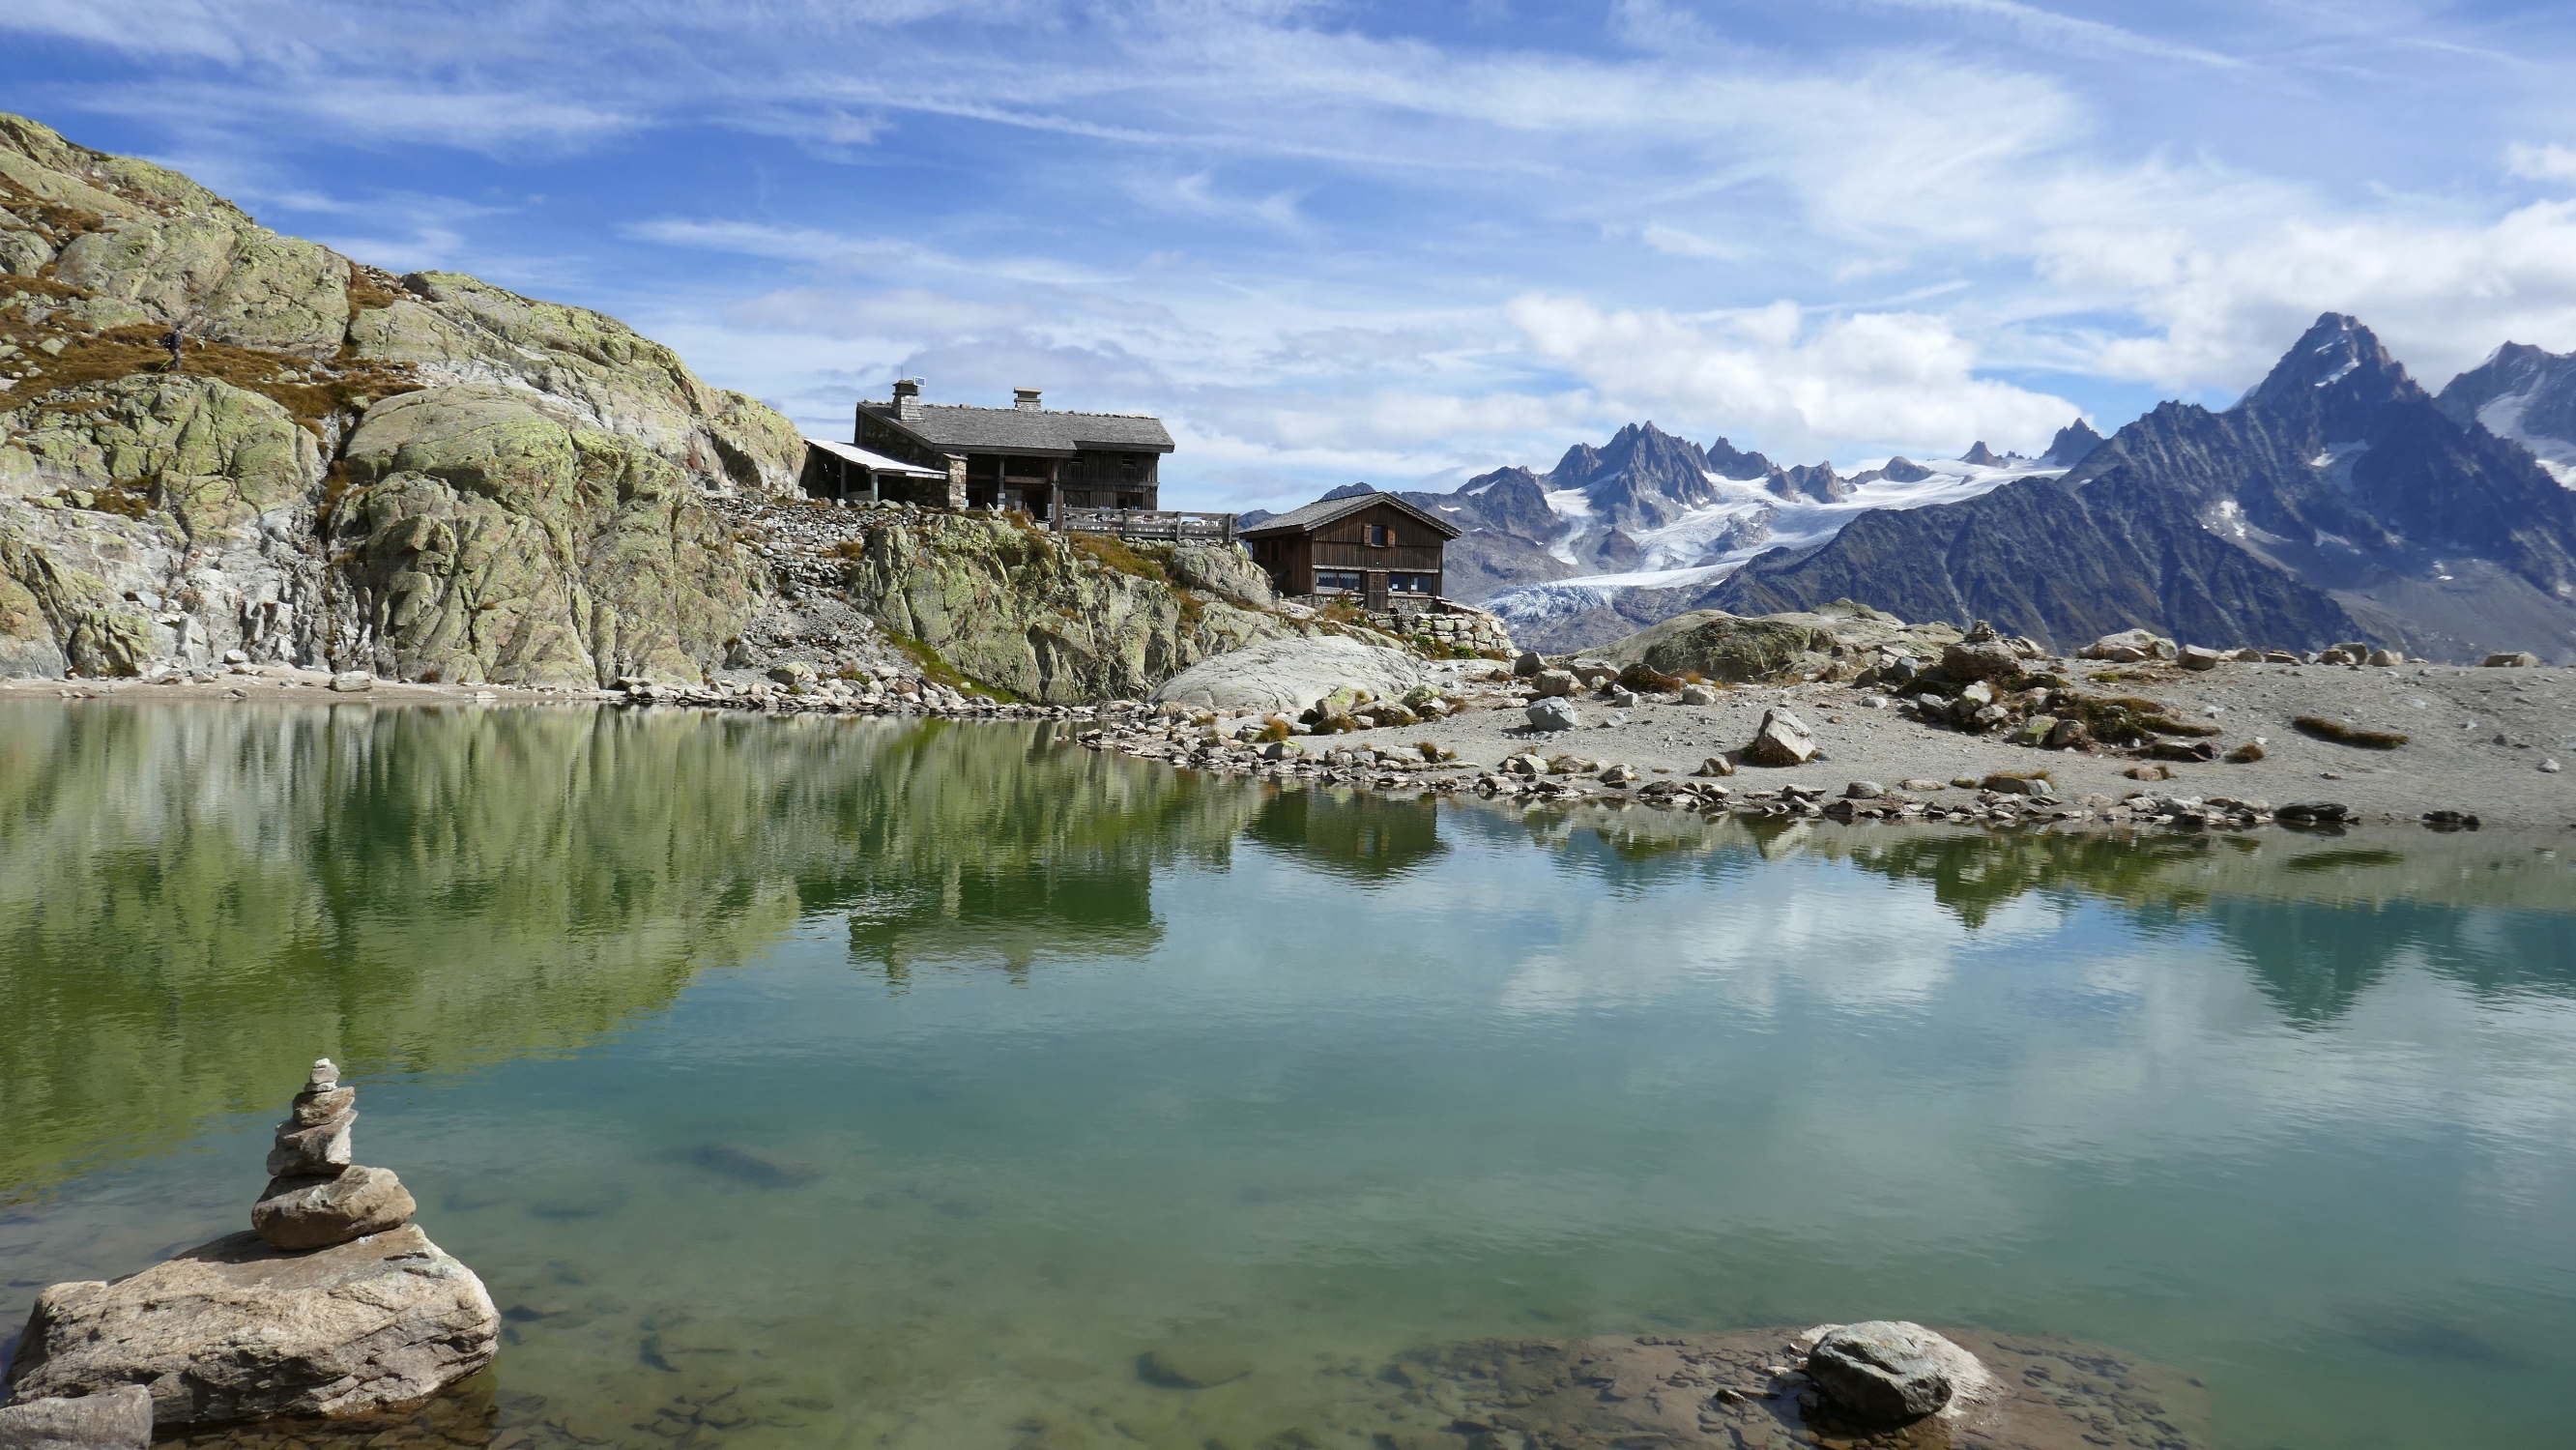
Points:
x=2478, y=739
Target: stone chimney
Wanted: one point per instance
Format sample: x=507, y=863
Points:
x=907, y=398
x=1025, y=399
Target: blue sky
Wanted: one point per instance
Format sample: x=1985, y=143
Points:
x=1406, y=243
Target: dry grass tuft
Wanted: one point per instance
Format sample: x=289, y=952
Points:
x=2318, y=727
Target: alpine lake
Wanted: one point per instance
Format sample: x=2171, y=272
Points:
x=840, y=1082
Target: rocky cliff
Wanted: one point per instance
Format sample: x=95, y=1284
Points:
x=425, y=476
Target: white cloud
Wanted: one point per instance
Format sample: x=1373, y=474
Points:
x=1675, y=242
x=2552, y=162
x=1772, y=374
x=1340, y=240
x=2067, y=32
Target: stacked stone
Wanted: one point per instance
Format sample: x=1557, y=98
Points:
x=315, y=1196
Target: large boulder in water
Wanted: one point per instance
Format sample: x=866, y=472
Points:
x=1288, y=675
x=1884, y=1372
x=236, y=1329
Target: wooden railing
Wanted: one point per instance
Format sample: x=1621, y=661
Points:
x=1148, y=524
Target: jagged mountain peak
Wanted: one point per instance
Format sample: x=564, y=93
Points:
x=1728, y=461
x=1348, y=490
x=1634, y=446
x=2338, y=352
x=2071, y=445
x=1982, y=456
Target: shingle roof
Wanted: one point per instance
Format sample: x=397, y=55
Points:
x=957, y=428
x=1323, y=511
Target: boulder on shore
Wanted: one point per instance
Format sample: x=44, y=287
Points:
x=1551, y=714
x=1783, y=739
x=1884, y=1372
x=117, y=1419
x=1289, y=675
x=2129, y=646
x=237, y=1329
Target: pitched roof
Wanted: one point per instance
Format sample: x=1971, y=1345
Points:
x=1323, y=511
x=877, y=461
x=956, y=428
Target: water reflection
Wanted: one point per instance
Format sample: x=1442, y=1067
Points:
x=192, y=894
x=1363, y=837
x=195, y=894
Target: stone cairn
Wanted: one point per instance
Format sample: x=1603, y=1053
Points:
x=315, y=1196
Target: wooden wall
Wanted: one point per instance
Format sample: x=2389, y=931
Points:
x=1411, y=548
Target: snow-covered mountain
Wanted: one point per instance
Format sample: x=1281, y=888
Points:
x=2337, y=500
x=1602, y=541
x=2524, y=394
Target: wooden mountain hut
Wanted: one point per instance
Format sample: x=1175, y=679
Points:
x=1371, y=547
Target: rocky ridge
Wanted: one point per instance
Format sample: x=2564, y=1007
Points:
x=429, y=478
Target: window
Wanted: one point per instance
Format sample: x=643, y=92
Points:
x=1337, y=579
x=1408, y=583
x=1073, y=470
x=1380, y=536
x=1131, y=500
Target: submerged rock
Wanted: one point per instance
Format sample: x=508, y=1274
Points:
x=238, y=1329
x=1192, y=1366
x=116, y=1419
x=1745, y=1390
x=752, y=1165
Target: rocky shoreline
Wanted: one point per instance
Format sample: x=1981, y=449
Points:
x=1875, y=762
x=2482, y=751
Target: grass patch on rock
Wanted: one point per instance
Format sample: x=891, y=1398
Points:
x=1113, y=552
x=935, y=668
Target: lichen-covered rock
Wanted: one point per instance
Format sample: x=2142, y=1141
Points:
x=1015, y=606
x=1223, y=570
x=146, y=236
x=190, y=530
x=485, y=538
x=604, y=375
x=1721, y=646
x=235, y=1329
x=221, y=275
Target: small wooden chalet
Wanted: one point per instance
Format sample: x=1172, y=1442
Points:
x=1025, y=456
x=1373, y=547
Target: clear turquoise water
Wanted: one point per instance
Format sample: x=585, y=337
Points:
x=921, y=1078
